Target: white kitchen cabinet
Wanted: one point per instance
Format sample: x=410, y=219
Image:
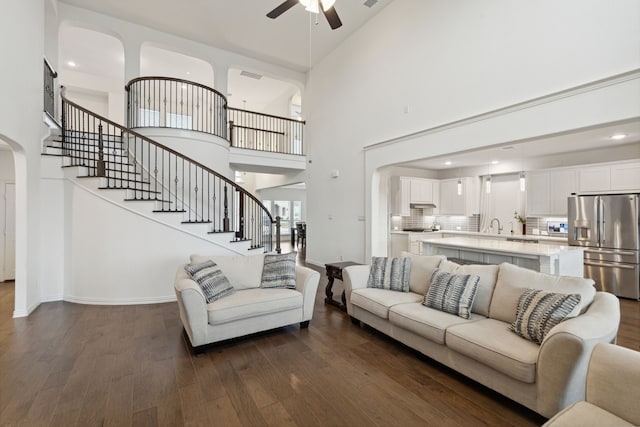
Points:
x=422, y=191
x=398, y=243
x=452, y=203
x=616, y=177
x=400, y=195
x=547, y=192
x=625, y=177
x=594, y=179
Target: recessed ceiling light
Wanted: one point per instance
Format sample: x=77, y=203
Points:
x=494, y=162
x=618, y=136
x=448, y=162
x=71, y=64
x=188, y=72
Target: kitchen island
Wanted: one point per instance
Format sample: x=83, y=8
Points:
x=547, y=258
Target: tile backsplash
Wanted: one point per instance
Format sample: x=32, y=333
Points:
x=417, y=220
x=540, y=224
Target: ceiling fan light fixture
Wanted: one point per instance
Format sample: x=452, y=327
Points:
x=327, y=4
x=312, y=6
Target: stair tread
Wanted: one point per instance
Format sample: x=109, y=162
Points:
x=197, y=222
x=129, y=188
x=169, y=211
x=147, y=200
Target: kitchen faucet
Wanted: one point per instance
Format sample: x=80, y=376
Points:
x=499, y=226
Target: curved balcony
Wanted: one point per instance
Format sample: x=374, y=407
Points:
x=177, y=104
x=180, y=104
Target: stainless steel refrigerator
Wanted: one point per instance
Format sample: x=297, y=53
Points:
x=607, y=227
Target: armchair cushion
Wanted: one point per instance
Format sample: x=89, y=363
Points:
x=212, y=281
x=279, y=271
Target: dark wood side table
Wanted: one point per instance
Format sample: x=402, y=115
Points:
x=334, y=271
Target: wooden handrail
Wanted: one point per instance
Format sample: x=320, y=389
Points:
x=160, y=156
x=266, y=115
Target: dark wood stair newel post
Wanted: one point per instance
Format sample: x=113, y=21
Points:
x=225, y=220
x=241, y=208
x=231, y=133
x=278, y=248
x=100, y=166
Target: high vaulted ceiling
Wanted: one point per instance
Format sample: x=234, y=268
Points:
x=292, y=40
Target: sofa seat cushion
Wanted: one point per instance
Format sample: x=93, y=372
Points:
x=378, y=301
x=490, y=341
x=252, y=302
x=585, y=414
x=426, y=322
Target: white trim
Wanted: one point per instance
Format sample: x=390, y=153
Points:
x=119, y=301
x=25, y=313
x=546, y=99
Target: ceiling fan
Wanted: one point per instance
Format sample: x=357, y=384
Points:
x=313, y=6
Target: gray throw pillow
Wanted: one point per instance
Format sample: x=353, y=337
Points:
x=212, y=281
x=390, y=273
x=452, y=293
x=279, y=271
x=538, y=311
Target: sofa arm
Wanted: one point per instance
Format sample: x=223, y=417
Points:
x=565, y=352
x=613, y=381
x=307, y=282
x=193, y=308
x=354, y=277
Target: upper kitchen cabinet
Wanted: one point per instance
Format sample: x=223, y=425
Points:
x=400, y=195
x=547, y=192
x=424, y=191
x=617, y=177
x=406, y=191
x=466, y=203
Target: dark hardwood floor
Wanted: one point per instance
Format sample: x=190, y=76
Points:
x=83, y=365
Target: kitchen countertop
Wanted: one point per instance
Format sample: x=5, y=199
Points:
x=438, y=234
x=493, y=245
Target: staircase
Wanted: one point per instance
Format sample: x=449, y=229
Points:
x=143, y=176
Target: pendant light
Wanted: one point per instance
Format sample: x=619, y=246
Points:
x=523, y=183
x=487, y=184
x=459, y=187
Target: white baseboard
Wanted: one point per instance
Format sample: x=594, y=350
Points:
x=25, y=313
x=119, y=301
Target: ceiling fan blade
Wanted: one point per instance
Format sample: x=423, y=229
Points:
x=332, y=18
x=288, y=4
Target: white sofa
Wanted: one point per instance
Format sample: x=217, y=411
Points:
x=613, y=388
x=545, y=378
x=249, y=308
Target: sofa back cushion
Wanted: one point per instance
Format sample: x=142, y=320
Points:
x=243, y=272
x=513, y=280
x=488, y=276
x=422, y=268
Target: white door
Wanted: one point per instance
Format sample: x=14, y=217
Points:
x=10, y=232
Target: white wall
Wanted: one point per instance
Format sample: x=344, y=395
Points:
x=448, y=61
x=22, y=50
x=117, y=256
x=102, y=95
x=7, y=175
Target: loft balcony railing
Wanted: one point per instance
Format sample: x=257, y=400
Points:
x=264, y=132
x=175, y=103
x=49, y=90
x=128, y=160
x=181, y=104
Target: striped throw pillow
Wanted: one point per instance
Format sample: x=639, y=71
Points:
x=452, y=293
x=538, y=311
x=279, y=271
x=212, y=281
x=390, y=273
